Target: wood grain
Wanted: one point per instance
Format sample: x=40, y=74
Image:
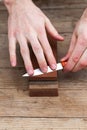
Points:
x=70, y=103
x=21, y=112
x=43, y=123
x=56, y=3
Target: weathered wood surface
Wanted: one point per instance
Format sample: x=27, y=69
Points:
x=43, y=124
x=72, y=102
x=47, y=4
x=21, y=112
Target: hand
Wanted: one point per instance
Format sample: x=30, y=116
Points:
x=28, y=24
x=77, y=55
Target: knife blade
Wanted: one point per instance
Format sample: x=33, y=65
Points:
x=38, y=72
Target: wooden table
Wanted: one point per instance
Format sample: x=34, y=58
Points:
x=18, y=111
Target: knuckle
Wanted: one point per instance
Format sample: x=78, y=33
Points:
x=12, y=56
x=75, y=59
x=14, y=32
x=40, y=30
x=37, y=49
x=23, y=50
x=11, y=33
x=32, y=35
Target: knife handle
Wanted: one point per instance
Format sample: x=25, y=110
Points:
x=63, y=63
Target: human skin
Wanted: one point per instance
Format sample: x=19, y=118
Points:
x=27, y=24
x=77, y=55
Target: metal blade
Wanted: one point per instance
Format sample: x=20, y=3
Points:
x=39, y=72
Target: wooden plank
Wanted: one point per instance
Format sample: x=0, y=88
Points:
x=4, y=53
x=43, y=123
x=56, y=3
x=12, y=78
x=70, y=103
x=16, y=106
x=59, y=2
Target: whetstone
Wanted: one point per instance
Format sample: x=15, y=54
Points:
x=43, y=89
x=44, y=85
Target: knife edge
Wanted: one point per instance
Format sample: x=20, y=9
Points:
x=39, y=72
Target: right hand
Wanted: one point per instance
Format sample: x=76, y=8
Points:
x=77, y=54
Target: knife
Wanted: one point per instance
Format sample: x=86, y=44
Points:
x=37, y=72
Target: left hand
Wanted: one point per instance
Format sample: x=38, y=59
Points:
x=77, y=55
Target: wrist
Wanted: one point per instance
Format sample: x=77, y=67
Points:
x=10, y=3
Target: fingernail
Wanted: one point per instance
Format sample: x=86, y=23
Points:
x=53, y=66
x=30, y=72
x=45, y=70
x=58, y=36
x=13, y=64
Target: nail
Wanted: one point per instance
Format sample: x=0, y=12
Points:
x=59, y=37
x=53, y=66
x=30, y=72
x=44, y=70
x=13, y=64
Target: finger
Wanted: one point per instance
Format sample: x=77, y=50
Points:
x=82, y=62
x=76, y=54
x=47, y=49
x=38, y=51
x=12, y=42
x=12, y=50
x=52, y=31
x=25, y=54
x=71, y=48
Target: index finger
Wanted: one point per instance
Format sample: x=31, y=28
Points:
x=76, y=54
